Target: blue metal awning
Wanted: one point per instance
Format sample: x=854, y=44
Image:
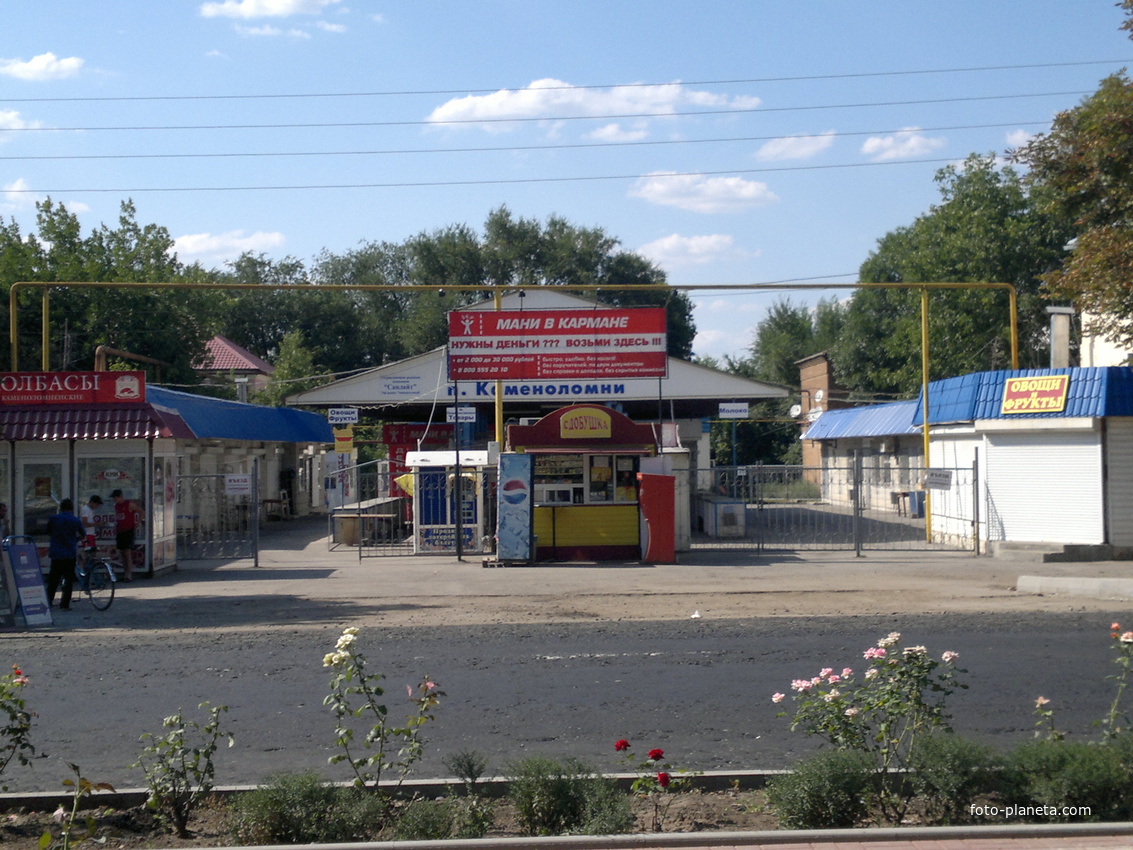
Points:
x=875, y=420
x=219, y=419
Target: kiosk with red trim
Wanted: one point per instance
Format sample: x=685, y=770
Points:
x=586, y=461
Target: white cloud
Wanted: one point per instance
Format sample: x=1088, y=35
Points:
x=617, y=133
x=698, y=193
x=905, y=143
x=46, y=66
x=717, y=342
x=548, y=98
x=676, y=250
x=796, y=147
x=1018, y=138
x=248, y=9
x=268, y=31
x=11, y=120
x=325, y=27
x=219, y=247
x=256, y=32
x=17, y=197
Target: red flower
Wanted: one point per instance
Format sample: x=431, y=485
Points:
x=663, y=779
x=656, y=755
x=620, y=746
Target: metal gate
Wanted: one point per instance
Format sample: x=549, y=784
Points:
x=872, y=504
x=213, y=524
x=375, y=513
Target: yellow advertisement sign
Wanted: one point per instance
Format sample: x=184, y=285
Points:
x=344, y=438
x=589, y=424
x=1044, y=394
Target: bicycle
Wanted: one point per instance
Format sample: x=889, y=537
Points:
x=96, y=578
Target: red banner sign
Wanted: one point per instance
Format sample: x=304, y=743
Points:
x=528, y=345
x=1042, y=394
x=72, y=387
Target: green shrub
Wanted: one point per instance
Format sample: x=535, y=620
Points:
x=425, y=820
x=443, y=819
x=608, y=810
x=300, y=808
x=1059, y=774
x=949, y=773
x=827, y=791
x=567, y=797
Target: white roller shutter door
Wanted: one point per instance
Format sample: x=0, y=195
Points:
x=1045, y=487
x=1119, y=480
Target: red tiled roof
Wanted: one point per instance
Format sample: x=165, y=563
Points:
x=134, y=422
x=223, y=355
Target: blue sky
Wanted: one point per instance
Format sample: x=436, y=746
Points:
x=730, y=142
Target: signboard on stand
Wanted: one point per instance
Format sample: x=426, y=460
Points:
x=31, y=595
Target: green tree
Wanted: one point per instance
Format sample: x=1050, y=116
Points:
x=295, y=372
x=1083, y=169
x=516, y=252
x=170, y=326
x=788, y=333
x=986, y=229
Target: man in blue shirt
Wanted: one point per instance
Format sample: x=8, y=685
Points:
x=65, y=531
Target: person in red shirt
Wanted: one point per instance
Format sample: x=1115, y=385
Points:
x=127, y=514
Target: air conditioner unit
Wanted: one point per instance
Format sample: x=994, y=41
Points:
x=884, y=447
x=528, y=420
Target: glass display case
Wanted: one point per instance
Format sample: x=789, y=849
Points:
x=559, y=479
x=590, y=479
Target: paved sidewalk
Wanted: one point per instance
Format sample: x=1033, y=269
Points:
x=309, y=582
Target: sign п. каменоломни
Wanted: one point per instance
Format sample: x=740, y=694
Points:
x=527, y=345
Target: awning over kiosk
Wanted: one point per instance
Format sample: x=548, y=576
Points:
x=136, y=422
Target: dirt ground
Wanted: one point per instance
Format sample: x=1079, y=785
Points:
x=136, y=828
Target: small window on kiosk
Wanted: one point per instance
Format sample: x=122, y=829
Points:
x=601, y=478
x=625, y=478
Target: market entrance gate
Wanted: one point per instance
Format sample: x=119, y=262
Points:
x=869, y=505
x=212, y=522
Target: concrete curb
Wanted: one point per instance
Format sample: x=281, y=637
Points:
x=125, y=798
x=1097, y=588
x=708, y=781
x=809, y=837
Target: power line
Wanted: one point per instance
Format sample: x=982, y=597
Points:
x=504, y=148
x=540, y=118
x=495, y=182
x=435, y=92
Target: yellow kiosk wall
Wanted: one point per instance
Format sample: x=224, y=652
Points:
x=610, y=530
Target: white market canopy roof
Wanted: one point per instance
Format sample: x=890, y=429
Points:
x=423, y=381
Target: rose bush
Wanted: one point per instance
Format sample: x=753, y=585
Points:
x=15, y=736
x=899, y=698
x=654, y=780
x=356, y=693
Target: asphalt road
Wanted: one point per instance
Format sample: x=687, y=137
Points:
x=698, y=688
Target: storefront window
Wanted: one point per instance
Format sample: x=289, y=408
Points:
x=601, y=478
x=626, y=479
x=43, y=487
x=559, y=479
x=101, y=476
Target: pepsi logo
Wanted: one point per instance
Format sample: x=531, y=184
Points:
x=514, y=491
